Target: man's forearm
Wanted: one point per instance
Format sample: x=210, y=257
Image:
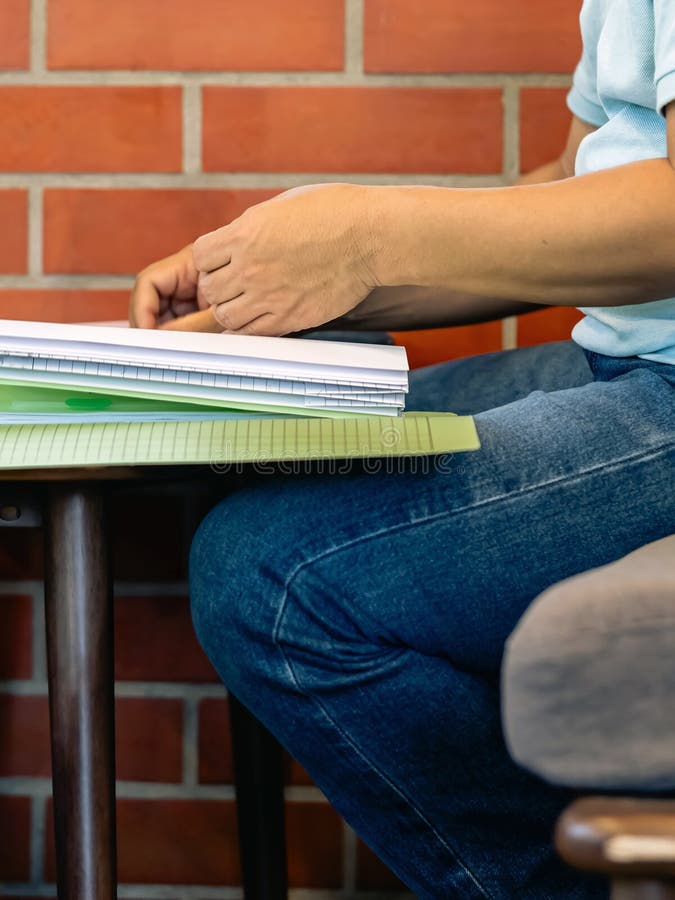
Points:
x=600, y=239
x=409, y=307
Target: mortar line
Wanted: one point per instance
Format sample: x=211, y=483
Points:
x=67, y=282
x=35, y=219
x=19, y=585
x=351, y=78
x=38, y=40
x=354, y=38
x=38, y=825
x=511, y=104
x=36, y=786
x=190, y=742
x=196, y=892
x=511, y=101
x=349, y=861
x=238, y=180
x=170, y=690
x=14, y=889
x=121, y=588
x=153, y=690
x=192, y=129
x=510, y=333
x=149, y=891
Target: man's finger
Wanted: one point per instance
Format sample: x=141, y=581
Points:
x=235, y=314
x=219, y=286
x=210, y=251
x=199, y=321
x=266, y=325
x=144, y=305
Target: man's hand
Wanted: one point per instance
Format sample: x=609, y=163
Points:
x=166, y=295
x=291, y=263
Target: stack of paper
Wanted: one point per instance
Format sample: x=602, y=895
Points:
x=236, y=372
x=81, y=395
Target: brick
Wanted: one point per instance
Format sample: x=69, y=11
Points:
x=122, y=231
x=350, y=129
x=438, y=345
x=148, y=736
x=16, y=638
x=155, y=641
x=14, y=245
x=15, y=843
x=14, y=34
x=294, y=772
x=63, y=305
x=25, y=745
x=314, y=841
x=483, y=36
x=270, y=35
x=215, y=748
x=171, y=842
x=21, y=553
x=149, y=739
x=372, y=874
x=545, y=325
x=148, y=536
x=90, y=129
x=544, y=124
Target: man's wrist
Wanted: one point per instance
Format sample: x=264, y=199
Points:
x=376, y=234
x=398, y=218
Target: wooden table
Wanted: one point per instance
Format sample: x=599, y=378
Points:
x=80, y=657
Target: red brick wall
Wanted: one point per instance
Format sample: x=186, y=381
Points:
x=128, y=128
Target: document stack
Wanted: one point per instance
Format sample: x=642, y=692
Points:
x=100, y=395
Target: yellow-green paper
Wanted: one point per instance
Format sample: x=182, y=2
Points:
x=239, y=440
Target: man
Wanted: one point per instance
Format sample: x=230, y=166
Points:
x=362, y=616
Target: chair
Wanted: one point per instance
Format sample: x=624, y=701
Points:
x=588, y=699
x=259, y=786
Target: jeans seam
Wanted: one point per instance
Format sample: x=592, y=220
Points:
x=576, y=476
x=445, y=514
x=296, y=681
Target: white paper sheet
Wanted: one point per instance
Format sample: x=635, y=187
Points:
x=331, y=360
x=296, y=374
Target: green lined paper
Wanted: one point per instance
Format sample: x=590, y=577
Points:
x=219, y=442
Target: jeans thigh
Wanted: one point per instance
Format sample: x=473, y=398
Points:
x=479, y=383
x=444, y=554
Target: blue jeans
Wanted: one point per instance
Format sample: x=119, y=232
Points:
x=362, y=615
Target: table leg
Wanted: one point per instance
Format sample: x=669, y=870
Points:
x=78, y=602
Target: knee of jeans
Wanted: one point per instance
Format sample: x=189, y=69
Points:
x=328, y=633
x=232, y=590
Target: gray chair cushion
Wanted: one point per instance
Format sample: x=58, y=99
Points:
x=588, y=681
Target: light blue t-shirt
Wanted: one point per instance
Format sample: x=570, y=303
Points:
x=624, y=80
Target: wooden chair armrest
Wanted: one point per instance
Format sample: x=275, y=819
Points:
x=623, y=838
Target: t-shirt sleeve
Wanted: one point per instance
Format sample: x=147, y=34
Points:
x=583, y=99
x=664, y=52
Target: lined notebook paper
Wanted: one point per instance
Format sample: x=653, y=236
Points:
x=243, y=440
x=234, y=371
